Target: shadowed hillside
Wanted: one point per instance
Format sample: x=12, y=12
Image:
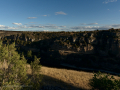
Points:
x=89, y=49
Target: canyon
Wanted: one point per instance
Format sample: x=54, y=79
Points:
x=90, y=49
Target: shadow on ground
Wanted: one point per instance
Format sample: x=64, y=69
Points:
x=46, y=80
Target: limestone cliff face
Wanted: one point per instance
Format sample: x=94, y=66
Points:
x=107, y=43
x=102, y=42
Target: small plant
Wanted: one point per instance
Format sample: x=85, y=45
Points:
x=61, y=43
x=29, y=54
x=67, y=41
x=21, y=42
x=104, y=83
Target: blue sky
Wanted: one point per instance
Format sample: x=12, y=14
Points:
x=59, y=15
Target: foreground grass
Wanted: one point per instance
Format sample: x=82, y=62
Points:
x=68, y=79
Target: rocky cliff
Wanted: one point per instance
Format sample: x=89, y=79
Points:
x=103, y=43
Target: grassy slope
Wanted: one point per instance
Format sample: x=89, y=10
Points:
x=67, y=79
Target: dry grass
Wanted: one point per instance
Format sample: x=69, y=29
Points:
x=68, y=79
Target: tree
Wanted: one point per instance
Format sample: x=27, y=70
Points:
x=16, y=73
x=29, y=54
x=18, y=41
x=35, y=70
x=22, y=42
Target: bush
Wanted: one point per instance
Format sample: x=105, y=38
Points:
x=104, y=83
x=29, y=54
x=22, y=42
x=61, y=43
x=15, y=76
x=67, y=41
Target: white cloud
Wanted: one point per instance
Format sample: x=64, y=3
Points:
x=106, y=27
x=32, y=22
x=107, y=9
x=92, y=23
x=83, y=24
x=56, y=13
x=1, y=26
x=35, y=26
x=11, y=28
x=17, y=23
x=23, y=26
x=107, y=1
x=88, y=23
x=51, y=26
x=45, y=30
x=85, y=27
x=31, y=17
x=44, y=15
x=6, y=27
x=115, y=25
x=62, y=26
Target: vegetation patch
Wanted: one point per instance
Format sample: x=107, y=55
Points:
x=101, y=81
x=15, y=75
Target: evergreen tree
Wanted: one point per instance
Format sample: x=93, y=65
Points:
x=16, y=73
x=35, y=71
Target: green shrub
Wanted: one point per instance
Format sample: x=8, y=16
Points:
x=15, y=76
x=104, y=83
x=67, y=41
x=29, y=54
x=21, y=42
x=61, y=43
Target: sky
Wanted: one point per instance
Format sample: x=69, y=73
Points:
x=59, y=15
